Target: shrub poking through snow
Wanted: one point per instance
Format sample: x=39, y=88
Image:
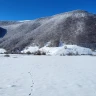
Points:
x=43, y=53
x=7, y=55
x=93, y=49
x=65, y=47
x=6, y=52
x=28, y=53
x=70, y=54
x=39, y=53
x=77, y=53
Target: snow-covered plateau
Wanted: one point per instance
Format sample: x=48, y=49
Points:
x=27, y=75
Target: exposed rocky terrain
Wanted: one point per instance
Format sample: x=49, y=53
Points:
x=76, y=27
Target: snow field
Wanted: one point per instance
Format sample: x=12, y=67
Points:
x=47, y=75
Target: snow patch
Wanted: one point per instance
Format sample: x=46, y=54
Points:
x=30, y=49
x=25, y=21
x=2, y=51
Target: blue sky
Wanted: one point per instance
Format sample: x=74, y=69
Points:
x=32, y=9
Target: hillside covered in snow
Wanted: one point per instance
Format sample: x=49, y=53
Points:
x=73, y=28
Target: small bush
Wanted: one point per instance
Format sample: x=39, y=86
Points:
x=65, y=47
x=6, y=52
x=43, y=53
x=70, y=54
x=39, y=53
x=93, y=49
x=62, y=54
x=77, y=54
x=6, y=55
x=28, y=53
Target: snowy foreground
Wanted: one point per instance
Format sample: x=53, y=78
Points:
x=47, y=75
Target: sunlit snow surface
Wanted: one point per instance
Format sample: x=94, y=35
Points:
x=22, y=75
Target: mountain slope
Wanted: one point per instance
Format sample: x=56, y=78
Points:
x=76, y=27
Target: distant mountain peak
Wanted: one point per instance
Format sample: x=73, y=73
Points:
x=79, y=11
